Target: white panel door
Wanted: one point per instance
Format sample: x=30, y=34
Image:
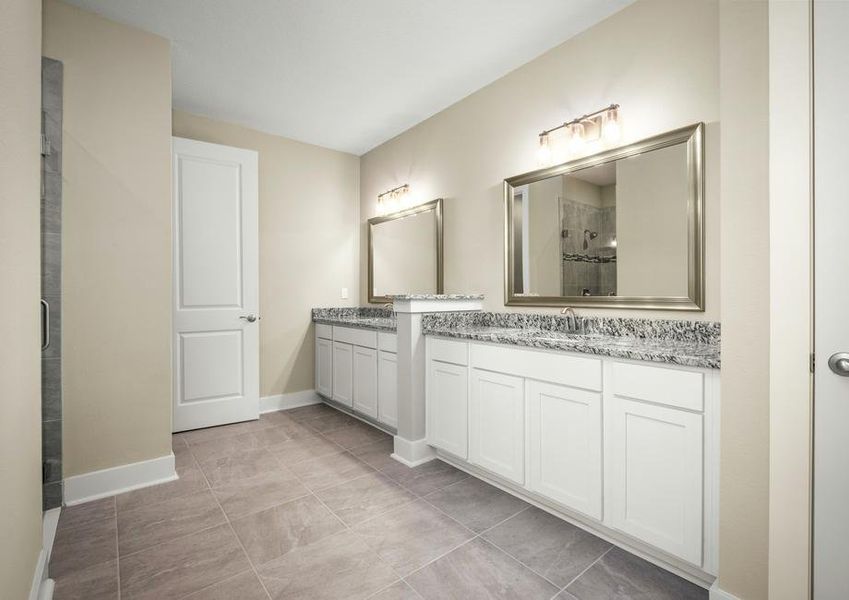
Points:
x=653, y=465
x=497, y=424
x=448, y=407
x=564, y=445
x=831, y=274
x=216, y=285
x=365, y=381
x=387, y=388
x=324, y=367
x=343, y=373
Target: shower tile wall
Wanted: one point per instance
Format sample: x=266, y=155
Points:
x=577, y=275
x=51, y=280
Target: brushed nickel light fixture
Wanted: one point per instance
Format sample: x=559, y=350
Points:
x=392, y=200
x=602, y=124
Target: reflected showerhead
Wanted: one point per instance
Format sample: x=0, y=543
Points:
x=589, y=235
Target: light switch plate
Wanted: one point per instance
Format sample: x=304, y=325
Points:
x=344, y=293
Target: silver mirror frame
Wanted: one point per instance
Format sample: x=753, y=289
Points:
x=693, y=136
x=434, y=205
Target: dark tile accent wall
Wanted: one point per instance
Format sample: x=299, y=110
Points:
x=51, y=281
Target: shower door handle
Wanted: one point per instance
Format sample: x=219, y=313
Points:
x=45, y=324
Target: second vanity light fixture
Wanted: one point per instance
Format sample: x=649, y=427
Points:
x=392, y=200
x=602, y=124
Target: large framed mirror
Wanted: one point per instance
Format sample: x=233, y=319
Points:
x=622, y=228
x=405, y=252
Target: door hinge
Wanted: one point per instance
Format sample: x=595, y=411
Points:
x=45, y=145
x=813, y=362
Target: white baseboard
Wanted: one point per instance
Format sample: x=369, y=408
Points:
x=42, y=587
x=715, y=593
x=412, y=453
x=50, y=521
x=39, y=575
x=116, y=480
x=287, y=401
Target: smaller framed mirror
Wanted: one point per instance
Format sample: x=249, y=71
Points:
x=621, y=228
x=405, y=252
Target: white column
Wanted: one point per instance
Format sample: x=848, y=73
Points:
x=410, y=446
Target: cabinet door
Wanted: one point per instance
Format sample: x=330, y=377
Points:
x=447, y=407
x=387, y=388
x=653, y=461
x=497, y=419
x=564, y=435
x=343, y=373
x=365, y=381
x=324, y=367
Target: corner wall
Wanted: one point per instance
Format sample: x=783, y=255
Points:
x=116, y=239
x=20, y=282
x=745, y=283
x=308, y=215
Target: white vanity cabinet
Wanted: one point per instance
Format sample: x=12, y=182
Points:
x=448, y=396
x=654, y=456
x=343, y=374
x=324, y=360
x=357, y=368
x=497, y=424
x=626, y=445
x=365, y=381
x=564, y=449
x=387, y=379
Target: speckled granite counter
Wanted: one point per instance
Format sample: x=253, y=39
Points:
x=363, y=317
x=436, y=296
x=686, y=343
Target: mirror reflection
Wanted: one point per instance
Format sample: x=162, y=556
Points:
x=621, y=227
x=405, y=252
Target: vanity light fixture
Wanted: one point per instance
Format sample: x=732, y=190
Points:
x=392, y=200
x=602, y=124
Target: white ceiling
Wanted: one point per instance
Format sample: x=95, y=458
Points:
x=345, y=74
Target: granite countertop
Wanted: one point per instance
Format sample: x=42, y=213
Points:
x=436, y=296
x=363, y=317
x=686, y=343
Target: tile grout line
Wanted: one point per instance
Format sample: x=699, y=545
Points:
x=344, y=524
x=578, y=576
x=236, y=535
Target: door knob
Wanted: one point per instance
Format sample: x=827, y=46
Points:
x=839, y=363
x=249, y=318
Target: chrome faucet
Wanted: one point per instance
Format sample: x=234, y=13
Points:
x=569, y=313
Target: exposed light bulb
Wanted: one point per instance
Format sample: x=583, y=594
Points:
x=610, y=129
x=576, y=141
x=544, y=151
x=613, y=242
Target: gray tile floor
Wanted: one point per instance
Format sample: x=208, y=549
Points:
x=308, y=504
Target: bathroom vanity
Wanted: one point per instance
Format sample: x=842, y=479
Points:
x=615, y=427
x=356, y=362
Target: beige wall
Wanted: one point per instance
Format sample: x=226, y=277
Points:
x=116, y=239
x=667, y=47
x=651, y=224
x=20, y=280
x=790, y=173
x=308, y=216
x=744, y=465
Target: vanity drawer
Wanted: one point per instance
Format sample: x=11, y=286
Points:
x=387, y=342
x=357, y=337
x=554, y=367
x=324, y=331
x=672, y=387
x=449, y=351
